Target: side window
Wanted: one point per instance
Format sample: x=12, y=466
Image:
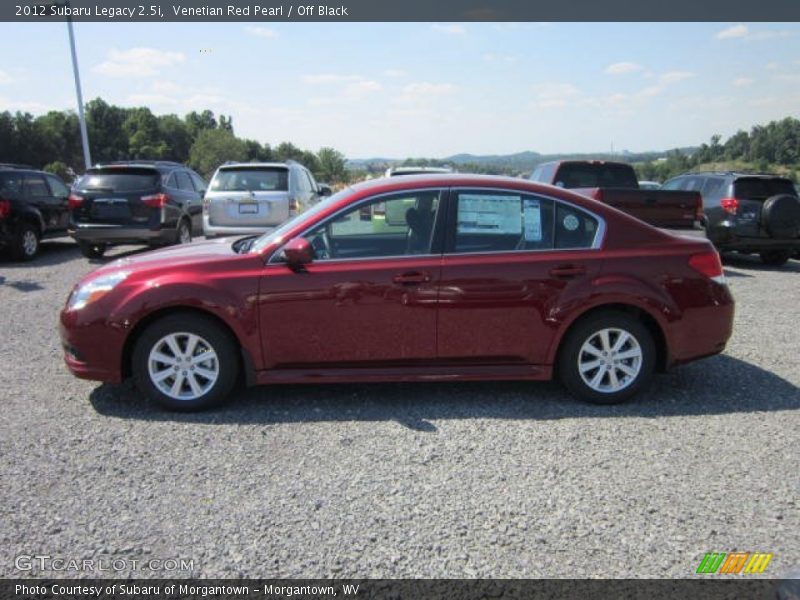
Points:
x=183, y=181
x=574, y=228
x=302, y=181
x=57, y=186
x=312, y=185
x=397, y=225
x=537, y=174
x=10, y=185
x=712, y=187
x=35, y=187
x=169, y=180
x=489, y=221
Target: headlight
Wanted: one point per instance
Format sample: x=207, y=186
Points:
x=94, y=290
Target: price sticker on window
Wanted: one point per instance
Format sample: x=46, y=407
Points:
x=532, y=219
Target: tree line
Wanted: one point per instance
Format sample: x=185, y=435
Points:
x=200, y=139
x=763, y=147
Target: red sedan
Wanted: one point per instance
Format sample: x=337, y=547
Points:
x=424, y=278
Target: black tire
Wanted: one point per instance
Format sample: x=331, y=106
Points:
x=775, y=258
x=183, y=235
x=92, y=250
x=211, y=334
x=25, y=245
x=584, y=330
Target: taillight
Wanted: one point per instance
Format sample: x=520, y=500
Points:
x=292, y=206
x=5, y=208
x=708, y=264
x=155, y=200
x=698, y=209
x=74, y=201
x=597, y=194
x=729, y=205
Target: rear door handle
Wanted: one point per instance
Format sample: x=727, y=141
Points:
x=411, y=278
x=567, y=271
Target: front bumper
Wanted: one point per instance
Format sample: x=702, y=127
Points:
x=92, y=349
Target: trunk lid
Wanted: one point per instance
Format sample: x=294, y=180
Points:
x=114, y=195
x=248, y=196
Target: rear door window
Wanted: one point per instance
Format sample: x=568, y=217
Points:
x=10, y=185
x=251, y=180
x=761, y=188
x=119, y=180
x=36, y=186
x=57, y=186
x=183, y=181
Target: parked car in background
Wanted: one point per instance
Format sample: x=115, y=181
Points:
x=747, y=212
x=395, y=171
x=615, y=184
x=135, y=202
x=649, y=185
x=33, y=206
x=490, y=278
x=248, y=198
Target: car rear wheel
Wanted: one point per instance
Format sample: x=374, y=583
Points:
x=90, y=250
x=607, y=358
x=185, y=362
x=775, y=258
x=184, y=232
x=26, y=243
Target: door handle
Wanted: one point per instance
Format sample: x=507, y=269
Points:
x=411, y=278
x=567, y=271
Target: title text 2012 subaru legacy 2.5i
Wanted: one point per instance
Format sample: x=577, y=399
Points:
x=473, y=278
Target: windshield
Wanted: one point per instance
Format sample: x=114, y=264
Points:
x=596, y=175
x=262, y=179
x=266, y=239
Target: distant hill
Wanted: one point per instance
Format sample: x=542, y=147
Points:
x=519, y=163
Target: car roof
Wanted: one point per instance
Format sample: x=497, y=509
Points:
x=255, y=165
x=734, y=174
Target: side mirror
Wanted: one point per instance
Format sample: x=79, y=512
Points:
x=324, y=189
x=298, y=252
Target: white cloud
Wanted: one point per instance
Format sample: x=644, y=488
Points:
x=395, y=73
x=23, y=106
x=743, y=32
x=328, y=78
x=262, y=32
x=425, y=89
x=736, y=31
x=743, y=81
x=151, y=99
x=772, y=66
x=451, y=29
x=137, y=62
x=361, y=88
x=664, y=81
x=621, y=68
x=5, y=78
x=554, y=95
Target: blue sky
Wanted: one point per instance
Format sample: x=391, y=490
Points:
x=424, y=89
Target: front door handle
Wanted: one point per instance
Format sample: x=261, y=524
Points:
x=567, y=271
x=411, y=278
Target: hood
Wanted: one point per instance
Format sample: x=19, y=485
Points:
x=173, y=256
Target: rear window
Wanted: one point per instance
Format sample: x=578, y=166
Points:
x=761, y=188
x=251, y=180
x=119, y=179
x=596, y=175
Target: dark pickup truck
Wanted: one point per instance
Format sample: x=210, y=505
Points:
x=615, y=184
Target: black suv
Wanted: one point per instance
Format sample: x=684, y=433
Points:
x=33, y=205
x=135, y=202
x=747, y=212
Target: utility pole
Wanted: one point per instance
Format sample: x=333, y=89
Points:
x=87, y=158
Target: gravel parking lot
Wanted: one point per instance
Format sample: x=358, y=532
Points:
x=510, y=480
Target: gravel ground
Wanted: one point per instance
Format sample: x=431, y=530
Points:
x=505, y=480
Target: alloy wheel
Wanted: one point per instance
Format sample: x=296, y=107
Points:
x=610, y=360
x=183, y=366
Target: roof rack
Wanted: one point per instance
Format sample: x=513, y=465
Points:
x=157, y=163
x=14, y=166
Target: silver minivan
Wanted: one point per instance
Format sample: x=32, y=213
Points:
x=251, y=198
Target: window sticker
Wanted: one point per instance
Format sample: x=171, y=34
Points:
x=571, y=222
x=532, y=218
x=489, y=214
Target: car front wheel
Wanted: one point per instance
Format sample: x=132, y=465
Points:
x=185, y=362
x=607, y=358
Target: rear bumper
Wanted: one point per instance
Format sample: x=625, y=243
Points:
x=121, y=234
x=223, y=231
x=702, y=330
x=725, y=237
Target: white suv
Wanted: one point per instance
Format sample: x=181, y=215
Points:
x=251, y=198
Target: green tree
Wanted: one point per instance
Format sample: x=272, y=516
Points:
x=60, y=169
x=331, y=166
x=214, y=147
